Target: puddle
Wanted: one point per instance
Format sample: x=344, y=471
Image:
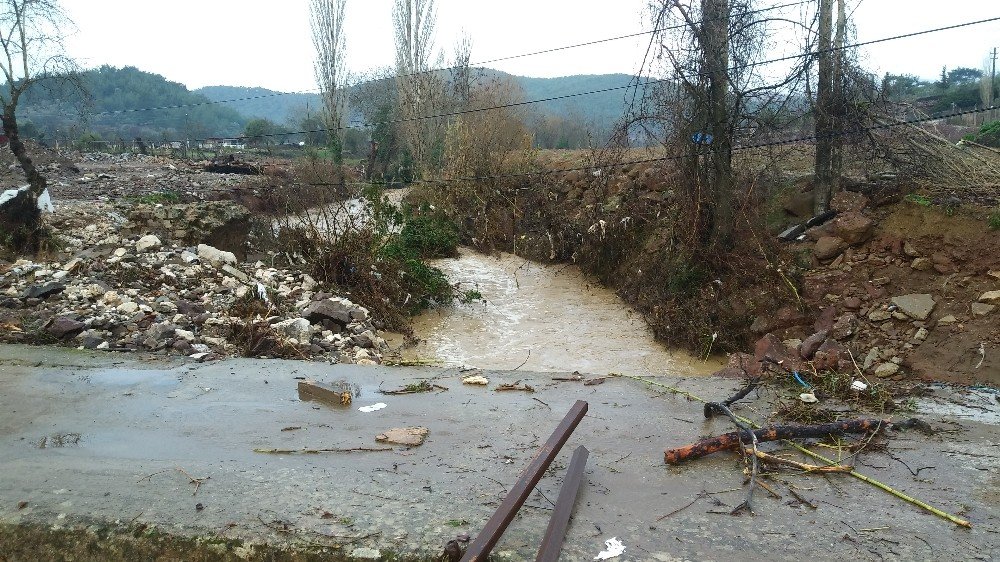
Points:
x=541, y=318
x=967, y=405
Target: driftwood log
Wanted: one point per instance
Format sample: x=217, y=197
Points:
x=731, y=440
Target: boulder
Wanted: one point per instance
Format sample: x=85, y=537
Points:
x=215, y=256
x=852, y=227
x=829, y=247
x=770, y=348
x=886, y=370
x=845, y=326
x=808, y=348
x=148, y=243
x=43, y=291
x=921, y=264
x=64, y=327
x=847, y=201
x=943, y=264
x=916, y=306
x=297, y=328
x=785, y=317
x=831, y=355
x=334, y=310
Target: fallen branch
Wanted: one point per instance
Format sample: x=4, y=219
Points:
x=318, y=451
x=884, y=487
x=802, y=466
x=732, y=440
x=711, y=409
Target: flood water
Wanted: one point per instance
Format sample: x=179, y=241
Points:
x=541, y=318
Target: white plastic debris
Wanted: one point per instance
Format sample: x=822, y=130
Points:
x=808, y=398
x=262, y=293
x=45, y=202
x=11, y=193
x=373, y=407
x=614, y=548
x=859, y=386
x=476, y=379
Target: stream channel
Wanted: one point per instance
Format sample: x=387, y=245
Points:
x=539, y=317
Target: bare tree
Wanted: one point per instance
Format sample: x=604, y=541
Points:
x=326, y=18
x=719, y=96
x=422, y=93
x=31, y=36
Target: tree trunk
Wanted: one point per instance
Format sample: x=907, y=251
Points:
x=839, y=123
x=715, y=29
x=20, y=218
x=824, y=121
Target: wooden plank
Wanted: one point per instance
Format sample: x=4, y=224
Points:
x=312, y=390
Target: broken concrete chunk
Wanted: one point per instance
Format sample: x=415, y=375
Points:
x=991, y=296
x=982, y=309
x=148, y=243
x=340, y=394
x=916, y=306
x=477, y=380
x=409, y=436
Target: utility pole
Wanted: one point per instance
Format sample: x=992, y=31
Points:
x=993, y=77
x=824, y=105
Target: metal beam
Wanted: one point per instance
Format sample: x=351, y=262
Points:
x=552, y=541
x=480, y=548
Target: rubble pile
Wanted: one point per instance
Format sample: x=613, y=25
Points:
x=145, y=295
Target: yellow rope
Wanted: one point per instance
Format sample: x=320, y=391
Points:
x=954, y=519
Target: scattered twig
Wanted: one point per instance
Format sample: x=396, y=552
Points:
x=802, y=499
x=523, y=363
x=515, y=386
x=196, y=481
x=801, y=466
x=540, y=402
x=711, y=410
x=317, y=451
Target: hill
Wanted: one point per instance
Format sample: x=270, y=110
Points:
x=287, y=108
x=112, y=103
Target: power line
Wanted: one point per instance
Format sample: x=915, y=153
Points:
x=442, y=69
x=795, y=140
x=615, y=88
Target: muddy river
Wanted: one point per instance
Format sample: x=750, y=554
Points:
x=540, y=318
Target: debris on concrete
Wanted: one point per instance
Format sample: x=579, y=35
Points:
x=333, y=395
x=373, y=407
x=409, y=436
x=476, y=380
x=613, y=548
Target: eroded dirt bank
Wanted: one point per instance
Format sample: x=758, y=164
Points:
x=97, y=462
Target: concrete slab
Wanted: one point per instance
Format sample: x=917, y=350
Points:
x=139, y=421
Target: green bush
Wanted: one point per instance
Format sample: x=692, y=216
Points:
x=989, y=134
x=429, y=235
x=994, y=220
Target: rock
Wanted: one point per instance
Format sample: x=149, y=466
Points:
x=982, y=309
x=943, y=264
x=880, y=315
x=921, y=264
x=826, y=319
x=916, y=306
x=771, y=348
x=910, y=250
x=409, y=436
x=845, y=326
x=364, y=339
x=239, y=275
x=297, y=328
x=921, y=335
x=994, y=274
x=830, y=355
x=812, y=343
x=43, y=291
x=64, y=327
x=852, y=303
x=886, y=370
x=800, y=204
x=215, y=256
x=364, y=553
x=128, y=308
x=871, y=358
x=947, y=320
x=184, y=335
x=148, y=243
x=829, y=247
x=852, y=227
x=335, y=310
x=991, y=296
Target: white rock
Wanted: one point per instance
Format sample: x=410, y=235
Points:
x=991, y=296
x=297, y=328
x=184, y=334
x=128, y=308
x=886, y=370
x=215, y=256
x=148, y=243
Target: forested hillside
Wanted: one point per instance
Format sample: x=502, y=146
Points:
x=112, y=103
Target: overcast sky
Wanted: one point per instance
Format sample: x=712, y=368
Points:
x=267, y=43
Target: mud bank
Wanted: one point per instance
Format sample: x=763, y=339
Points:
x=97, y=462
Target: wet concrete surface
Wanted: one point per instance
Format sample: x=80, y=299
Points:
x=115, y=431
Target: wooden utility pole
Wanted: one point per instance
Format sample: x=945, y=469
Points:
x=824, y=122
x=718, y=167
x=993, y=77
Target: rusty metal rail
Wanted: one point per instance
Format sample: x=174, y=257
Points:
x=480, y=548
x=552, y=541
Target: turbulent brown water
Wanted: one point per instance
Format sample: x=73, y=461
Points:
x=541, y=318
